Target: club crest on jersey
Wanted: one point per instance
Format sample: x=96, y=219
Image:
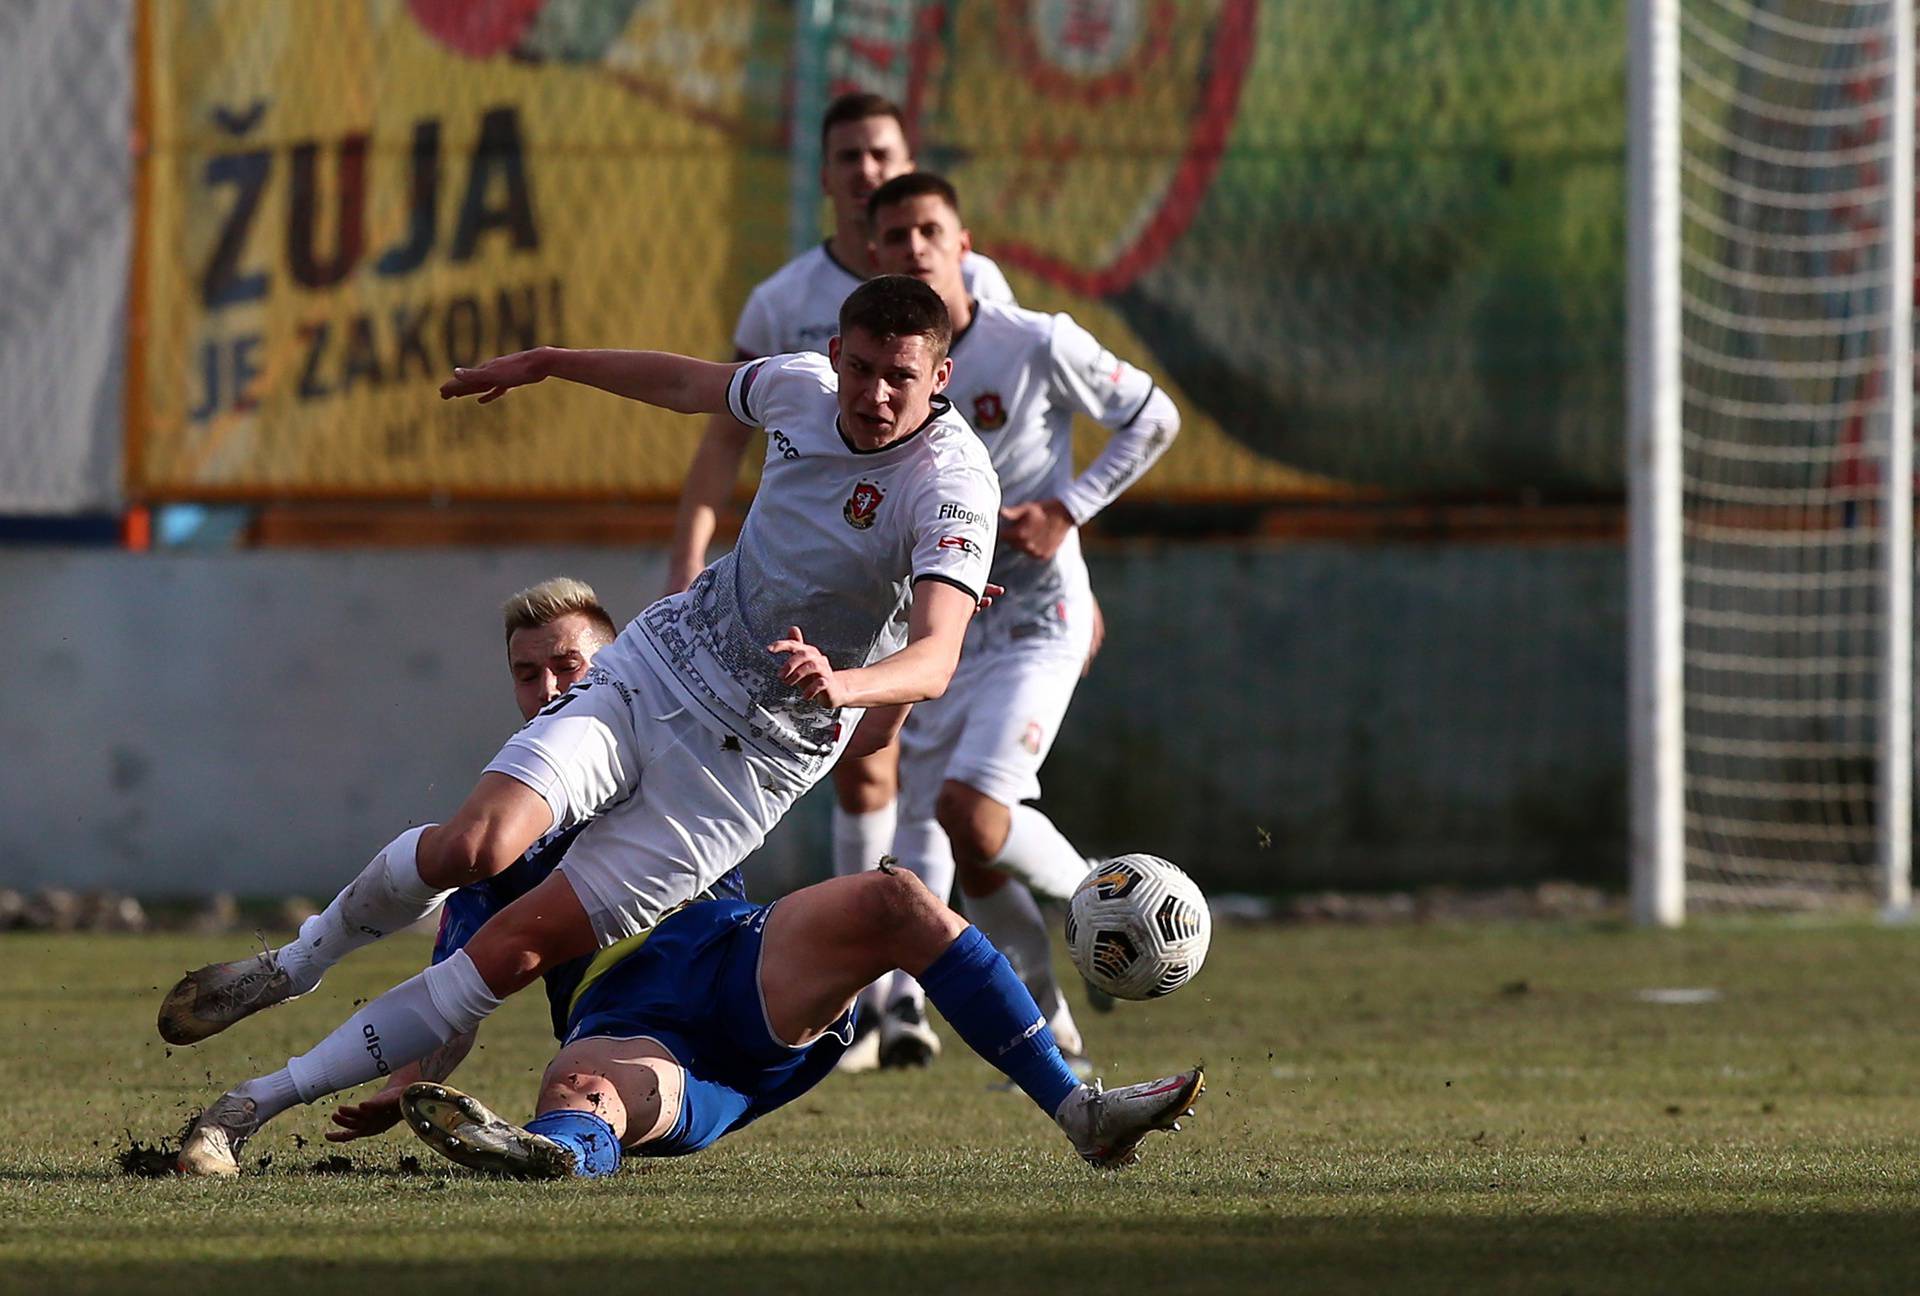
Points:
x=861, y=505
x=989, y=412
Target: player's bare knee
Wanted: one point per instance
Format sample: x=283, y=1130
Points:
x=883, y=899
x=978, y=879
x=509, y=956
x=864, y=786
x=899, y=915
x=458, y=854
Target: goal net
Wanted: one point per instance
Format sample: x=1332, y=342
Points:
x=1792, y=241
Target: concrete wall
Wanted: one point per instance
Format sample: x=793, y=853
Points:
x=261, y=722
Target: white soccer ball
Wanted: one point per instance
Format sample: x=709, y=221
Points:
x=1138, y=927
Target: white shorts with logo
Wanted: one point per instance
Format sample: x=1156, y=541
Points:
x=673, y=802
x=995, y=724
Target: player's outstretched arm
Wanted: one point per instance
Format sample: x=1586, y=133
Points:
x=380, y=1113
x=882, y=724
x=918, y=672
x=675, y=382
x=709, y=485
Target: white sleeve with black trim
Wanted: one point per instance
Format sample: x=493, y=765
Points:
x=954, y=520
x=1143, y=419
x=746, y=394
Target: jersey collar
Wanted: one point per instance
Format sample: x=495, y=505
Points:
x=935, y=408
x=826, y=250
x=973, y=318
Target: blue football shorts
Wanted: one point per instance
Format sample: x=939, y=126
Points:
x=693, y=983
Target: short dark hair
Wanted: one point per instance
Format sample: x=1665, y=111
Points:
x=893, y=306
x=912, y=184
x=859, y=106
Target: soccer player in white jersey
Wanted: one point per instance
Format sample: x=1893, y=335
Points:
x=553, y=631
x=845, y=600
x=863, y=143
x=971, y=760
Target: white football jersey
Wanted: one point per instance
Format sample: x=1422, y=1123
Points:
x=797, y=307
x=833, y=543
x=1019, y=377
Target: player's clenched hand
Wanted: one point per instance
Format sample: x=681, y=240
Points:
x=808, y=669
x=495, y=378
x=376, y=1115
x=1036, y=529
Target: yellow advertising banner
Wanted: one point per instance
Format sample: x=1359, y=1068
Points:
x=341, y=201
x=344, y=200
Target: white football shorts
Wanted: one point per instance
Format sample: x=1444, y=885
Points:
x=673, y=802
x=995, y=724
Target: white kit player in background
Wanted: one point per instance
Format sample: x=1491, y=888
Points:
x=845, y=600
x=970, y=760
x=863, y=145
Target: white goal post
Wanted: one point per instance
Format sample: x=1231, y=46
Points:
x=1770, y=454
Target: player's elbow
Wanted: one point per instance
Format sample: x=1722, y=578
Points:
x=1164, y=417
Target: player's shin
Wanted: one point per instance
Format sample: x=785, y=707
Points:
x=1039, y=855
x=401, y=1026
x=1012, y=920
x=388, y=896
x=976, y=989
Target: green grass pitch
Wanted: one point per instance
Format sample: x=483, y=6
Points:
x=1422, y=1109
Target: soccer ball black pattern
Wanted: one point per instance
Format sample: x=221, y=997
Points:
x=1138, y=927
x=1113, y=953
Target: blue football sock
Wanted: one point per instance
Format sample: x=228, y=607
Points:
x=977, y=991
x=596, y=1150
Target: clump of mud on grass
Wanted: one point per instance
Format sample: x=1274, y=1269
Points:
x=153, y=1161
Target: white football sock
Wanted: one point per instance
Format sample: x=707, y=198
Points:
x=1037, y=854
x=922, y=848
x=1012, y=921
x=401, y=1026
x=388, y=896
x=859, y=840
x=272, y=1094
x=873, y=998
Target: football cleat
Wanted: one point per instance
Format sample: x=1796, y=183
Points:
x=1106, y=1126
x=462, y=1130
x=212, y=1143
x=906, y=1040
x=204, y=1003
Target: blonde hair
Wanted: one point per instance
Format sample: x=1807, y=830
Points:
x=552, y=599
